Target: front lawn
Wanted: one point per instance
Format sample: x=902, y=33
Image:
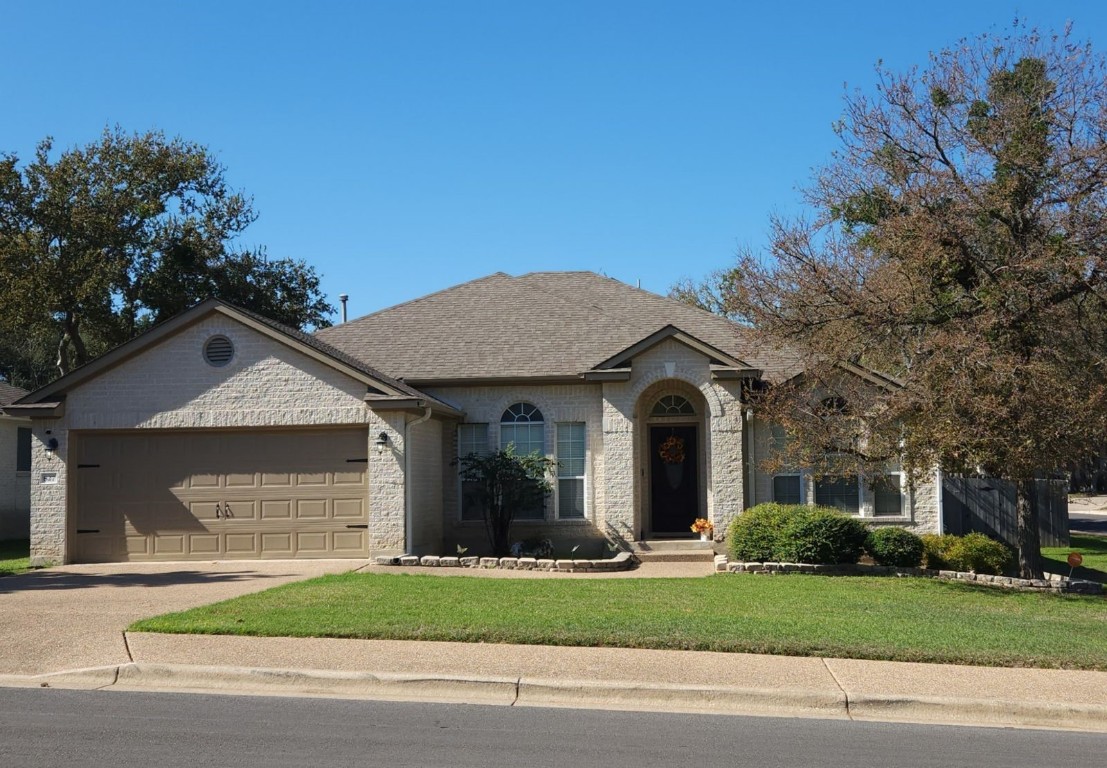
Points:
x=1094, y=550
x=15, y=557
x=905, y=619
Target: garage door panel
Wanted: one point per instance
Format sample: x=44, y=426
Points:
x=349, y=509
x=278, y=494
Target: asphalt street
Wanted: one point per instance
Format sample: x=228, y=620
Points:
x=45, y=727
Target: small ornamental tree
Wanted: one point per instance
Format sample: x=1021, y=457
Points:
x=504, y=484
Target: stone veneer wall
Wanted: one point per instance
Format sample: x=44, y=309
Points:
x=170, y=386
x=558, y=403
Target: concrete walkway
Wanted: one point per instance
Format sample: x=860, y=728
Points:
x=67, y=631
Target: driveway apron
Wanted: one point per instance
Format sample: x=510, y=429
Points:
x=73, y=617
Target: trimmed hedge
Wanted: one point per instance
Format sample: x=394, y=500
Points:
x=894, y=546
x=796, y=533
x=972, y=552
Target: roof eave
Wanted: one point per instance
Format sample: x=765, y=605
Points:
x=46, y=410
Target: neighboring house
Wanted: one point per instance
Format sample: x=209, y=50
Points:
x=15, y=468
x=220, y=434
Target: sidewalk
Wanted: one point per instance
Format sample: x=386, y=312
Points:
x=64, y=629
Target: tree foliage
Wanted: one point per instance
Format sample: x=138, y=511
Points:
x=504, y=484
x=99, y=242
x=958, y=242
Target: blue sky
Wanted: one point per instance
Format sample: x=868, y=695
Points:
x=402, y=147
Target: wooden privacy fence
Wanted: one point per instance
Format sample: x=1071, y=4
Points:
x=987, y=506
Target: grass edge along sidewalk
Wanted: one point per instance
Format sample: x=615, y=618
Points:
x=904, y=619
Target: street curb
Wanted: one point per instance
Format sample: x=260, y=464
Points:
x=316, y=682
x=615, y=695
x=658, y=697
x=986, y=712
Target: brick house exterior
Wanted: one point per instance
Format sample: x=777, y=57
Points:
x=220, y=434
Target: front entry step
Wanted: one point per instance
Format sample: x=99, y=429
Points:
x=675, y=551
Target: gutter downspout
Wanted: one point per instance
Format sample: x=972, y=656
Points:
x=409, y=512
x=941, y=504
x=749, y=499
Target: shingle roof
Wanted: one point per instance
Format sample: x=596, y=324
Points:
x=542, y=324
x=9, y=393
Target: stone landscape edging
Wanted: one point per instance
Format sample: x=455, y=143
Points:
x=1056, y=583
x=623, y=561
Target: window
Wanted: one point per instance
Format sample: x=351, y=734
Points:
x=888, y=496
x=787, y=489
x=522, y=426
x=570, y=470
x=23, y=449
x=673, y=405
x=840, y=492
x=471, y=438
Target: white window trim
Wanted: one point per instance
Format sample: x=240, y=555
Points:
x=904, y=504
x=795, y=473
x=584, y=477
x=545, y=451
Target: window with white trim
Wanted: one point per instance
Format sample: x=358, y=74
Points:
x=571, y=455
x=673, y=405
x=471, y=438
x=840, y=492
x=888, y=498
x=522, y=425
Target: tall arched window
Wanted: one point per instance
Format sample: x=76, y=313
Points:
x=522, y=425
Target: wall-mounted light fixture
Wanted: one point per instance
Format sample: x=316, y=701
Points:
x=381, y=442
x=52, y=445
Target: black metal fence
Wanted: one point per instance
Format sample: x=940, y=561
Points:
x=987, y=506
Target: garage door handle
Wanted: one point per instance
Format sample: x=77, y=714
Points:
x=88, y=530
x=357, y=526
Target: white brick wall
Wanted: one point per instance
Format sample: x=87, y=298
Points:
x=615, y=414
x=170, y=386
x=15, y=486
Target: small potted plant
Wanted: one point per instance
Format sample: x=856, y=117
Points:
x=704, y=528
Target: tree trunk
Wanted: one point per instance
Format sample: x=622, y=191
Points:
x=1029, y=538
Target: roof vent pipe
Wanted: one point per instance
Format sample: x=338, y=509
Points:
x=343, y=297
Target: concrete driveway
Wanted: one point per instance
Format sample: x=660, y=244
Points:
x=73, y=616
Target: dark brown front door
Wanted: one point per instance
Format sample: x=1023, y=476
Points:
x=674, y=479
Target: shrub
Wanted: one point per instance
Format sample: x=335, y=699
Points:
x=977, y=553
x=937, y=550
x=755, y=535
x=795, y=533
x=972, y=552
x=822, y=535
x=894, y=546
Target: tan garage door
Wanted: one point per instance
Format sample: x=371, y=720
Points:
x=220, y=495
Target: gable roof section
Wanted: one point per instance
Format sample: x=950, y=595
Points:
x=542, y=326
x=9, y=393
x=713, y=354
x=381, y=388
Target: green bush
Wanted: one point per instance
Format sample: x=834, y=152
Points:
x=972, y=552
x=795, y=533
x=756, y=534
x=823, y=535
x=980, y=554
x=937, y=550
x=894, y=546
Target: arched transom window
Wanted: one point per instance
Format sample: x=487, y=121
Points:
x=523, y=425
x=673, y=405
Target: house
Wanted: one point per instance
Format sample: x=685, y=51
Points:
x=220, y=434
x=15, y=468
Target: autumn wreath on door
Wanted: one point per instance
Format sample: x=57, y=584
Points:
x=672, y=455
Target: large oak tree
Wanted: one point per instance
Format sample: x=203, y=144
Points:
x=99, y=242
x=957, y=241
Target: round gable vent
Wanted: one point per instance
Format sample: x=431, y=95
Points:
x=218, y=351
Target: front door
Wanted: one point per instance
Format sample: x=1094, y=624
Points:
x=674, y=479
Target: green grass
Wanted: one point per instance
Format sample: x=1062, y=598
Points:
x=905, y=619
x=15, y=557
x=1094, y=550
